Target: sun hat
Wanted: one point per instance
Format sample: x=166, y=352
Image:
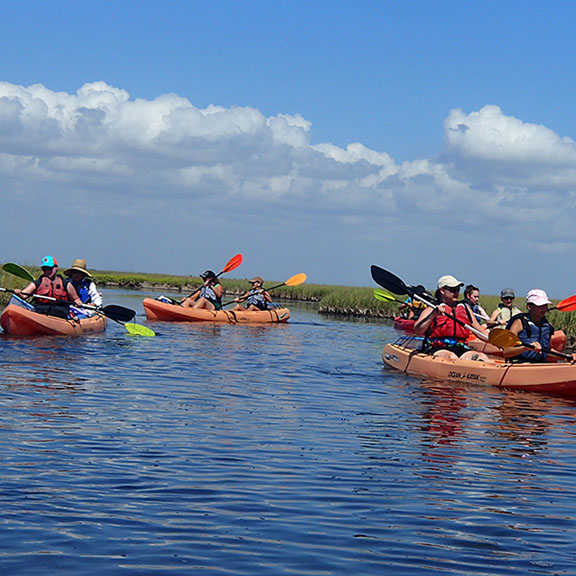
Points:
x=257, y=279
x=79, y=265
x=537, y=297
x=449, y=281
x=48, y=262
x=207, y=274
x=507, y=293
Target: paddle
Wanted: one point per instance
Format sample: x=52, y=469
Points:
x=396, y=285
x=385, y=296
x=232, y=264
x=566, y=305
x=112, y=311
x=295, y=280
x=503, y=338
x=17, y=270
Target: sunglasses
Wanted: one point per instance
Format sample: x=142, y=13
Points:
x=508, y=298
x=454, y=290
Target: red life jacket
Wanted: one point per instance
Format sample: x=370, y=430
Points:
x=446, y=327
x=53, y=288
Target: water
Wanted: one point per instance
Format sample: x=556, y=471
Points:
x=272, y=450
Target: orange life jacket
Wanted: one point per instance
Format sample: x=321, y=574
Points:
x=446, y=327
x=53, y=288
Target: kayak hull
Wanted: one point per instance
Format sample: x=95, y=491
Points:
x=19, y=321
x=556, y=379
x=166, y=312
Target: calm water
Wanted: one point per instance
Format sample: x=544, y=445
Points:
x=239, y=450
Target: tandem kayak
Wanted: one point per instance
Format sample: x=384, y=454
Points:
x=21, y=321
x=558, y=379
x=404, y=324
x=167, y=312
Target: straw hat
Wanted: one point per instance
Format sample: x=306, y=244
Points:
x=256, y=279
x=79, y=265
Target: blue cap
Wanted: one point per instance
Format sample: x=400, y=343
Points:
x=49, y=262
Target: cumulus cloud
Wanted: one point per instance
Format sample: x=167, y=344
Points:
x=495, y=167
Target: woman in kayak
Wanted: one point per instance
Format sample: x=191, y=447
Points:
x=59, y=291
x=82, y=281
x=208, y=296
x=471, y=299
x=443, y=326
x=533, y=328
x=506, y=309
x=257, y=297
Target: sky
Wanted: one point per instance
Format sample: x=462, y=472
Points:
x=428, y=138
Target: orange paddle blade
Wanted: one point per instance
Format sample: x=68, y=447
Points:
x=233, y=263
x=296, y=280
x=567, y=305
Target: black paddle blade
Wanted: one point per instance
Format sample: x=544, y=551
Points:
x=388, y=280
x=119, y=313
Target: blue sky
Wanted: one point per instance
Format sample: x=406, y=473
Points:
x=425, y=137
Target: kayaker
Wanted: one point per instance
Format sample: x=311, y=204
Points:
x=411, y=308
x=443, y=335
x=208, y=296
x=83, y=283
x=472, y=299
x=51, y=284
x=533, y=328
x=506, y=309
x=257, y=298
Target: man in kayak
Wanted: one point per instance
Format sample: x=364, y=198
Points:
x=257, y=297
x=208, y=296
x=59, y=291
x=445, y=327
x=533, y=328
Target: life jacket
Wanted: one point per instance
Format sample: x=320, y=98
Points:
x=506, y=314
x=54, y=288
x=208, y=293
x=256, y=298
x=446, y=327
x=531, y=333
x=82, y=288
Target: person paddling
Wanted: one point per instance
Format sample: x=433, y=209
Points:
x=83, y=283
x=505, y=310
x=443, y=326
x=209, y=296
x=257, y=297
x=533, y=328
x=52, y=285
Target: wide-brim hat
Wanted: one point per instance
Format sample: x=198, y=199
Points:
x=256, y=279
x=79, y=265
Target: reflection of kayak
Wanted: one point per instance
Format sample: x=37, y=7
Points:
x=404, y=324
x=558, y=379
x=20, y=321
x=156, y=310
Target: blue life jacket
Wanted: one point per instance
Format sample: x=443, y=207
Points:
x=82, y=289
x=208, y=293
x=257, y=299
x=531, y=333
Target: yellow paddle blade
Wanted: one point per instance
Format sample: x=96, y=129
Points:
x=383, y=295
x=139, y=330
x=296, y=280
x=503, y=338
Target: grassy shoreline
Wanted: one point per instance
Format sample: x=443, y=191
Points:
x=345, y=301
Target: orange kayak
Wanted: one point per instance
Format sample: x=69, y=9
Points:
x=19, y=321
x=156, y=310
x=558, y=379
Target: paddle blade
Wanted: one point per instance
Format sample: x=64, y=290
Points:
x=567, y=305
x=383, y=295
x=388, y=280
x=503, y=338
x=139, y=330
x=233, y=263
x=118, y=313
x=17, y=270
x=296, y=280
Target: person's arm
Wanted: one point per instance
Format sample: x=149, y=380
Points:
x=266, y=295
x=424, y=321
x=25, y=292
x=72, y=294
x=95, y=296
x=217, y=290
